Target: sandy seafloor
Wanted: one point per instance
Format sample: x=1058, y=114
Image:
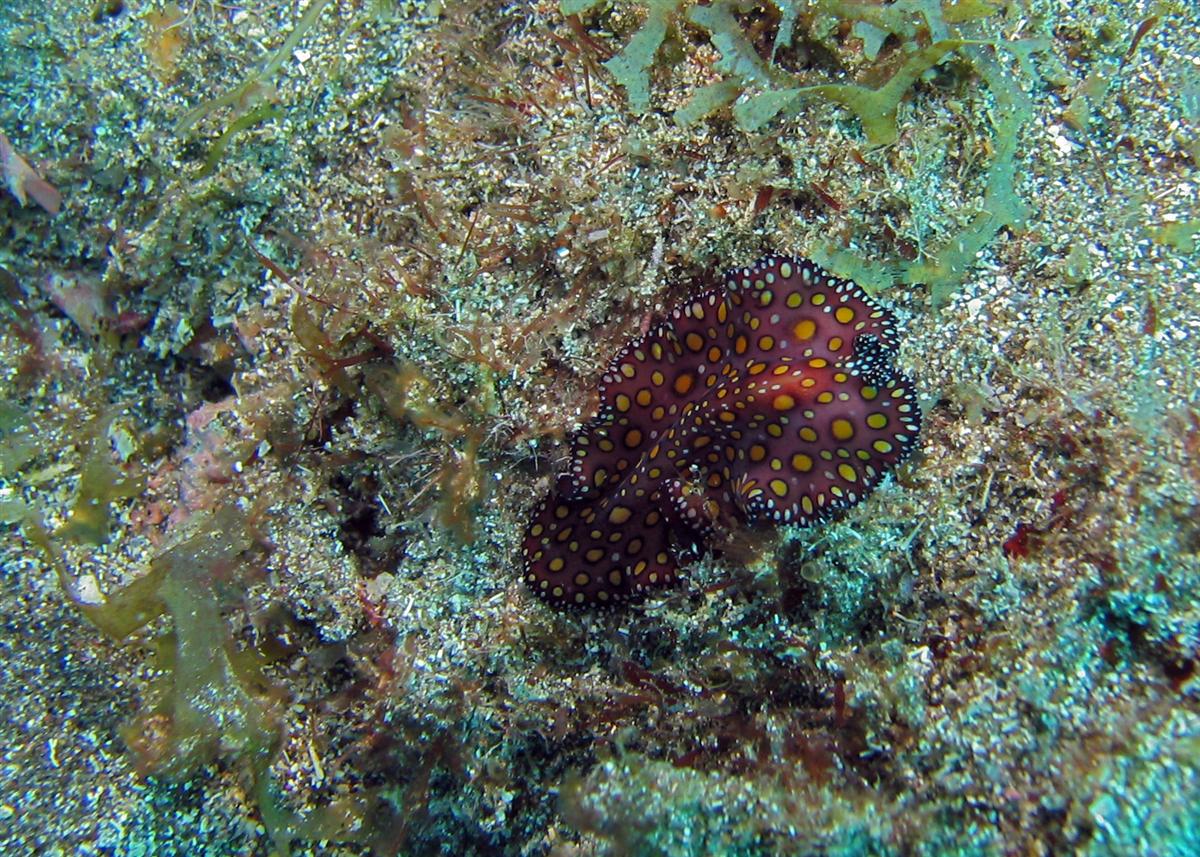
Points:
x=301, y=362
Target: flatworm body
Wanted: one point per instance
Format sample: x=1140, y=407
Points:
x=771, y=399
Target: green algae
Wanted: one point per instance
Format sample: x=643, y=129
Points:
x=738, y=57
x=1088, y=97
x=256, y=115
x=874, y=277
x=631, y=67
x=17, y=446
x=207, y=698
x=948, y=266
x=101, y=482
x=875, y=108
x=1179, y=235
x=256, y=80
x=707, y=100
x=100, y=485
x=214, y=699
x=760, y=92
x=743, y=68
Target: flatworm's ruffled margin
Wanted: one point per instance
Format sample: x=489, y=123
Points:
x=771, y=399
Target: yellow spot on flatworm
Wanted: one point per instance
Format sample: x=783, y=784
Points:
x=805, y=329
x=594, y=555
x=882, y=446
x=614, y=577
x=683, y=384
x=843, y=429
x=556, y=564
x=784, y=402
x=809, y=434
x=802, y=462
x=694, y=341
x=869, y=393
x=582, y=579
x=622, y=402
x=766, y=343
x=643, y=397
x=779, y=487
x=877, y=421
x=844, y=314
x=657, y=379
x=619, y=514
x=627, y=370
x=758, y=452
x=847, y=472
